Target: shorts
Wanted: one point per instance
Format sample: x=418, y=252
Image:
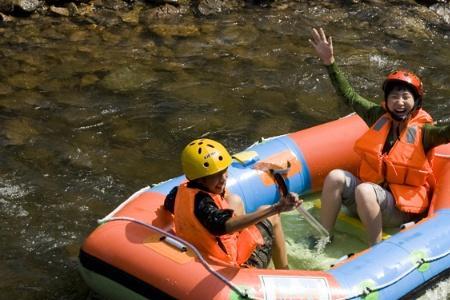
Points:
x=391, y=215
x=261, y=256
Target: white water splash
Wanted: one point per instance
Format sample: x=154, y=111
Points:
x=321, y=244
x=439, y=290
x=9, y=193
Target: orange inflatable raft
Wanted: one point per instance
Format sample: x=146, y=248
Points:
x=134, y=253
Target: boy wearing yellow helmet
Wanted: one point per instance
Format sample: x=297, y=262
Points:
x=395, y=178
x=214, y=220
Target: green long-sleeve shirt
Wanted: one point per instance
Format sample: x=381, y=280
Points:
x=370, y=112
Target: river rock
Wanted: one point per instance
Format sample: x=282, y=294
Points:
x=115, y=5
x=78, y=36
x=24, y=80
x=5, y=18
x=84, y=9
x=128, y=78
x=88, y=79
x=105, y=17
x=19, y=131
x=24, y=99
x=62, y=11
x=211, y=7
x=164, y=11
x=81, y=158
x=111, y=38
x=5, y=89
x=406, y=24
x=442, y=9
x=132, y=16
x=28, y=6
x=173, y=30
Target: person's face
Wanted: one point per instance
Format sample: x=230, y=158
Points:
x=400, y=102
x=215, y=183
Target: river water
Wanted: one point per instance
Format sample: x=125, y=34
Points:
x=91, y=111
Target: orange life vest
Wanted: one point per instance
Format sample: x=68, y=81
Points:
x=237, y=247
x=405, y=167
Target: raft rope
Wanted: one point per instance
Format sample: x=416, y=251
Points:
x=367, y=290
x=222, y=278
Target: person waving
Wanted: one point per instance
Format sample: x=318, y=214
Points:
x=394, y=180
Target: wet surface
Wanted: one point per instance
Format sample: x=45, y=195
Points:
x=92, y=111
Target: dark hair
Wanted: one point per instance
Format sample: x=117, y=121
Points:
x=392, y=84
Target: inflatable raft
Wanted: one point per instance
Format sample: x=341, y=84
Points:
x=134, y=253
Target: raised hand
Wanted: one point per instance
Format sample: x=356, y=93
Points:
x=322, y=45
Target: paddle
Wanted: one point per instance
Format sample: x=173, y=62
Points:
x=279, y=179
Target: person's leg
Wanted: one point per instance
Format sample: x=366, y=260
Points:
x=331, y=198
x=274, y=244
x=279, y=253
x=391, y=215
x=369, y=211
x=262, y=255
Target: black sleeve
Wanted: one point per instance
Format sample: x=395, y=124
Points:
x=210, y=215
x=169, y=202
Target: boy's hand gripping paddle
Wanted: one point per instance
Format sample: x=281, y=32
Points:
x=277, y=174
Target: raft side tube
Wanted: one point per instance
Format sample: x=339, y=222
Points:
x=334, y=141
x=257, y=187
x=113, y=283
x=440, y=161
x=306, y=148
x=423, y=250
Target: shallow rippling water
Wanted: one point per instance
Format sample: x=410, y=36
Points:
x=90, y=113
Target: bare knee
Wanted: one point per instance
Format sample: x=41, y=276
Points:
x=335, y=179
x=275, y=220
x=334, y=182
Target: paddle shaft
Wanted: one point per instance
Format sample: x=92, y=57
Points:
x=308, y=217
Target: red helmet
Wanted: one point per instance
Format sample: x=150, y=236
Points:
x=407, y=77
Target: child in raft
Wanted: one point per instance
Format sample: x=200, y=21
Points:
x=213, y=220
x=394, y=180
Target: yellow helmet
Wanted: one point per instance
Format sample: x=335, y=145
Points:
x=204, y=157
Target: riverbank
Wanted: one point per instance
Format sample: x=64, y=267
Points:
x=133, y=10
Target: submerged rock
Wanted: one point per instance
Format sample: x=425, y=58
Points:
x=19, y=131
x=62, y=11
x=24, y=80
x=211, y=7
x=169, y=31
x=25, y=99
x=88, y=79
x=19, y=6
x=164, y=11
x=407, y=24
x=128, y=78
x=132, y=16
x=5, y=89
